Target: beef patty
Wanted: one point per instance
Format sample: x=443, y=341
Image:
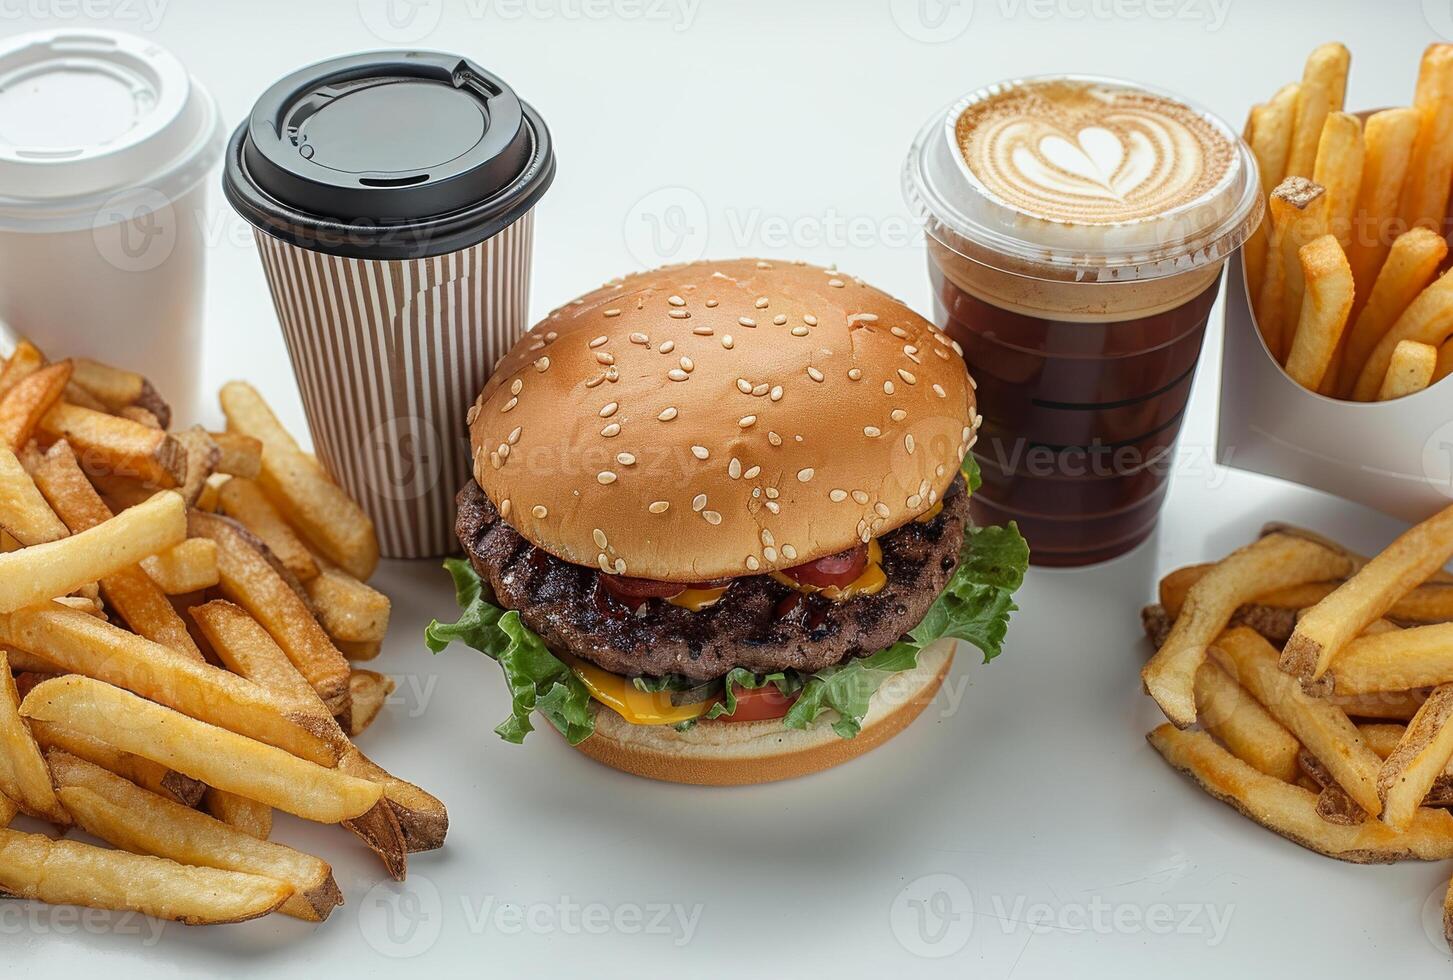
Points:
x=759, y=623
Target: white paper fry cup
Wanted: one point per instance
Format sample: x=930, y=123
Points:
x=389, y=355
x=1395, y=456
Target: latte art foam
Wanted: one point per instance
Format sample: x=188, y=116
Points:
x=1089, y=153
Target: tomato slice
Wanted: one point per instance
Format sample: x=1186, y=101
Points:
x=760, y=704
x=634, y=591
x=840, y=569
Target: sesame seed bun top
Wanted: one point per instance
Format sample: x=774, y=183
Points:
x=720, y=419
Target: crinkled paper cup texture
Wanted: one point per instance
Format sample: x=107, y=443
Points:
x=389, y=355
x=1395, y=456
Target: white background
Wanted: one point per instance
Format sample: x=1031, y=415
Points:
x=1064, y=838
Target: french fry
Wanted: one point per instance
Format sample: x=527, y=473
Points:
x=23, y=776
x=1274, y=561
x=1409, y=372
x=1323, y=90
x=23, y=406
x=23, y=362
x=129, y=591
x=138, y=414
x=1291, y=811
x=1395, y=661
x=247, y=650
x=24, y=514
x=64, y=872
x=84, y=645
x=220, y=758
x=1411, y=264
x=1333, y=803
x=1445, y=362
x=8, y=810
x=1338, y=168
x=1431, y=602
x=1243, y=725
x=117, y=389
x=350, y=611
x=1269, y=134
x=316, y=506
x=247, y=816
x=1388, y=145
x=202, y=456
x=1327, y=281
x=1298, y=209
x=143, y=772
x=244, y=502
x=188, y=567
x=359, y=651
x=1322, y=728
x=1386, y=705
x=1328, y=626
x=130, y=818
x=251, y=581
x=370, y=691
x=57, y=568
x=1425, y=190
x=108, y=445
x=1428, y=319
x=1418, y=760
x=241, y=455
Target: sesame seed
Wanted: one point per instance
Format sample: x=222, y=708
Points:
x=752, y=563
x=540, y=512
x=837, y=496
x=676, y=301
x=899, y=332
x=747, y=421
x=809, y=319
x=907, y=376
x=769, y=553
x=659, y=506
x=639, y=338
x=605, y=357
x=836, y=283
x=814, y=374
x=711, y=304
x=761, y=303
x=908, y=443
x=509, y=405
x=687, y=364
x=608, y=409
x=855, y=374
x=881, y=509
x=744, y=386
x=514, y=436
x=938, y=390
x=752, y=473
x=612, y=430
x=676, y=374
x=860, y=496
x=774, y=507
x=667, y=346
x=605, y=477
x=552, y=336
x=598, y=342
x=516, y=386
x=805, y=474
x=726, y=341
x=914, y=501
x=872, y=431
x=626, y=459
x=542, y=365
x=703, y=331
x=774, y=438
x=863, y=318
x=773, y=493
x=595, y=381
x=679, y=315
x=760, y=389
x=667, y=414
x=496, y=460
x=712, y=517
x=505, y=507
x=734, y=468
x=776, y=393
x=603, y=562
x=504, y=450
x=746, y=321
x=612, y=312
x=600, y=539
x=898, y=415
x=620, y=566
x=700, y=452
x=472, y=414
x=799, y=331
x=698, y=502
x=780, y=319
x=789, y=552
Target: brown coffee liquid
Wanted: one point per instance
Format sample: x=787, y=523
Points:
x=1080, y=418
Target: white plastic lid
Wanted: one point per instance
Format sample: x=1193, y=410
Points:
x=91, y=119
x=962, y=213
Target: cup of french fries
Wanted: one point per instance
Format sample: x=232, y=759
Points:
x=1311, y=689
x=181, y=614
x=1339, y=319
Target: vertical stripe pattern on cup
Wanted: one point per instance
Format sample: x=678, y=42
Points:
x=389, y=355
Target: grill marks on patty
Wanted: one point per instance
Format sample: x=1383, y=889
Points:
x=759, y=624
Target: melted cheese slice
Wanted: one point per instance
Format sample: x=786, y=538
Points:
x=930, y=514
x=698, y=599
x=871, y=580
x=636, y=707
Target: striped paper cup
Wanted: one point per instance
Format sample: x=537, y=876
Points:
x=392, y=198
x=389, y=355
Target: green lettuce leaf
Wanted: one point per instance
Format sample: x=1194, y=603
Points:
x=538, y=681
x=975, y=606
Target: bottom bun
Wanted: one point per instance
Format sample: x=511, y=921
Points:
x=738, y=753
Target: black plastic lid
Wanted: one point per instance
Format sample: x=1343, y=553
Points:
x=388, y=155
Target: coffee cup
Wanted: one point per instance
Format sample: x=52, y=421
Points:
x=392, y=197
x=1077, y=229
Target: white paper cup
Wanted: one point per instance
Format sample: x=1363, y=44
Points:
x=105, y=144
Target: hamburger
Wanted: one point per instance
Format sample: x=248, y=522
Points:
x=718, y=529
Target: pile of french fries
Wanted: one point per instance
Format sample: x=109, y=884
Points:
x=1347, y=274
x=1311, y=688
x=178, y=613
